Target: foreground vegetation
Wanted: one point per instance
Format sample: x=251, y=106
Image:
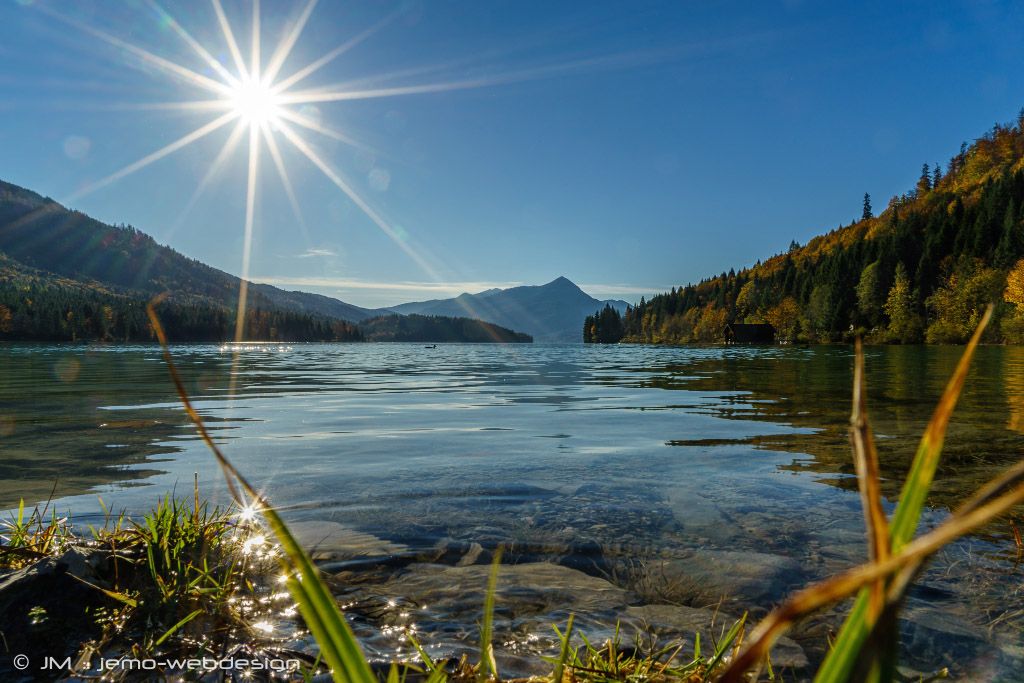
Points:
x=182, y=576
x=922, y=271
x=182, y=582
x=187, y=582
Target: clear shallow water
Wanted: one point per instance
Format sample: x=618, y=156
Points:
x=680, y=475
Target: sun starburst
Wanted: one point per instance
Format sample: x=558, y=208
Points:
x=261, y=99
x=254, y=96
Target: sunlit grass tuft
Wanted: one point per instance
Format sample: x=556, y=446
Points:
x=183, y=580
x=26, y=539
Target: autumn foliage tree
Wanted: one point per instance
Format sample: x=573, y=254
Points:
x=886, y=276
x=904, y=322
x=785, y=318
x=1013, y=324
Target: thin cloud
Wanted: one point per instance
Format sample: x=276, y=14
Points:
x=313, y=253
x=453, y=288
x=620, y=290
x=411, y=289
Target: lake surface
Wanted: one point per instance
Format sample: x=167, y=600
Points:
x=643, y=475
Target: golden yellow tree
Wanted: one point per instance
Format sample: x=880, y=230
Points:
x=1012, y=325
x=1014, y=293
x=746, y=299
x=785, y=318
x=711, y=324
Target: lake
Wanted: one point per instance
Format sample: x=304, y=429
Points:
x=648, y=484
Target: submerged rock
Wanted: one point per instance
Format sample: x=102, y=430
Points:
x=443, y=605
x=329, y=541
x=936, y=637
x=753, y=577
x=523, y=589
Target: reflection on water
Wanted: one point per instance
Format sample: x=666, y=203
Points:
x=672, y=475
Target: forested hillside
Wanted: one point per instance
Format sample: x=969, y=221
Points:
x=40, y=306
x=436, y=328
x=921, y=271
x=67, y=277
x=40, y=233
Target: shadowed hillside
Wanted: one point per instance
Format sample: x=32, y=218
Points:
x=42, y=234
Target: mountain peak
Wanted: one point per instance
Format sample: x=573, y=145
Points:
x=552, y=312
x=562, y=282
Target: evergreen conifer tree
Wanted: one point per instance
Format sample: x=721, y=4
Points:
x=924, y=183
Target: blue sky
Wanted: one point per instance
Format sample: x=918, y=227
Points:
x=629, y=146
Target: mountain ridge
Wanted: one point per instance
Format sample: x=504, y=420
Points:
x=551, y=312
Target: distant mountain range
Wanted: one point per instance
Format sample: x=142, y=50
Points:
x=550, y=313
x=65, y=275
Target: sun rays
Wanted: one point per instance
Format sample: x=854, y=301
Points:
x=268, y=99
x=259, y=98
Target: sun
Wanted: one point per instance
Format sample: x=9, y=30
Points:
x=253, y=94
x=255, y=102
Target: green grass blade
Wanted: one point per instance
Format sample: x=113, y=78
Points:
x=926, y=460
x=427, y=660
x=171, y=631
x=489, y=667
x=722, y=647
x=840, y=662
x=438, y=676
x=337, y=642
x=564, y=654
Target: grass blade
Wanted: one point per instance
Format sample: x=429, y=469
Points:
x=172, y=630
x=840, y=663
x=722, y=647
x=427, y=659
x=907, y=555
x=564, y=654
x=488, y=666
x=926, y=460
x=338, y=644
x=865, y=459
